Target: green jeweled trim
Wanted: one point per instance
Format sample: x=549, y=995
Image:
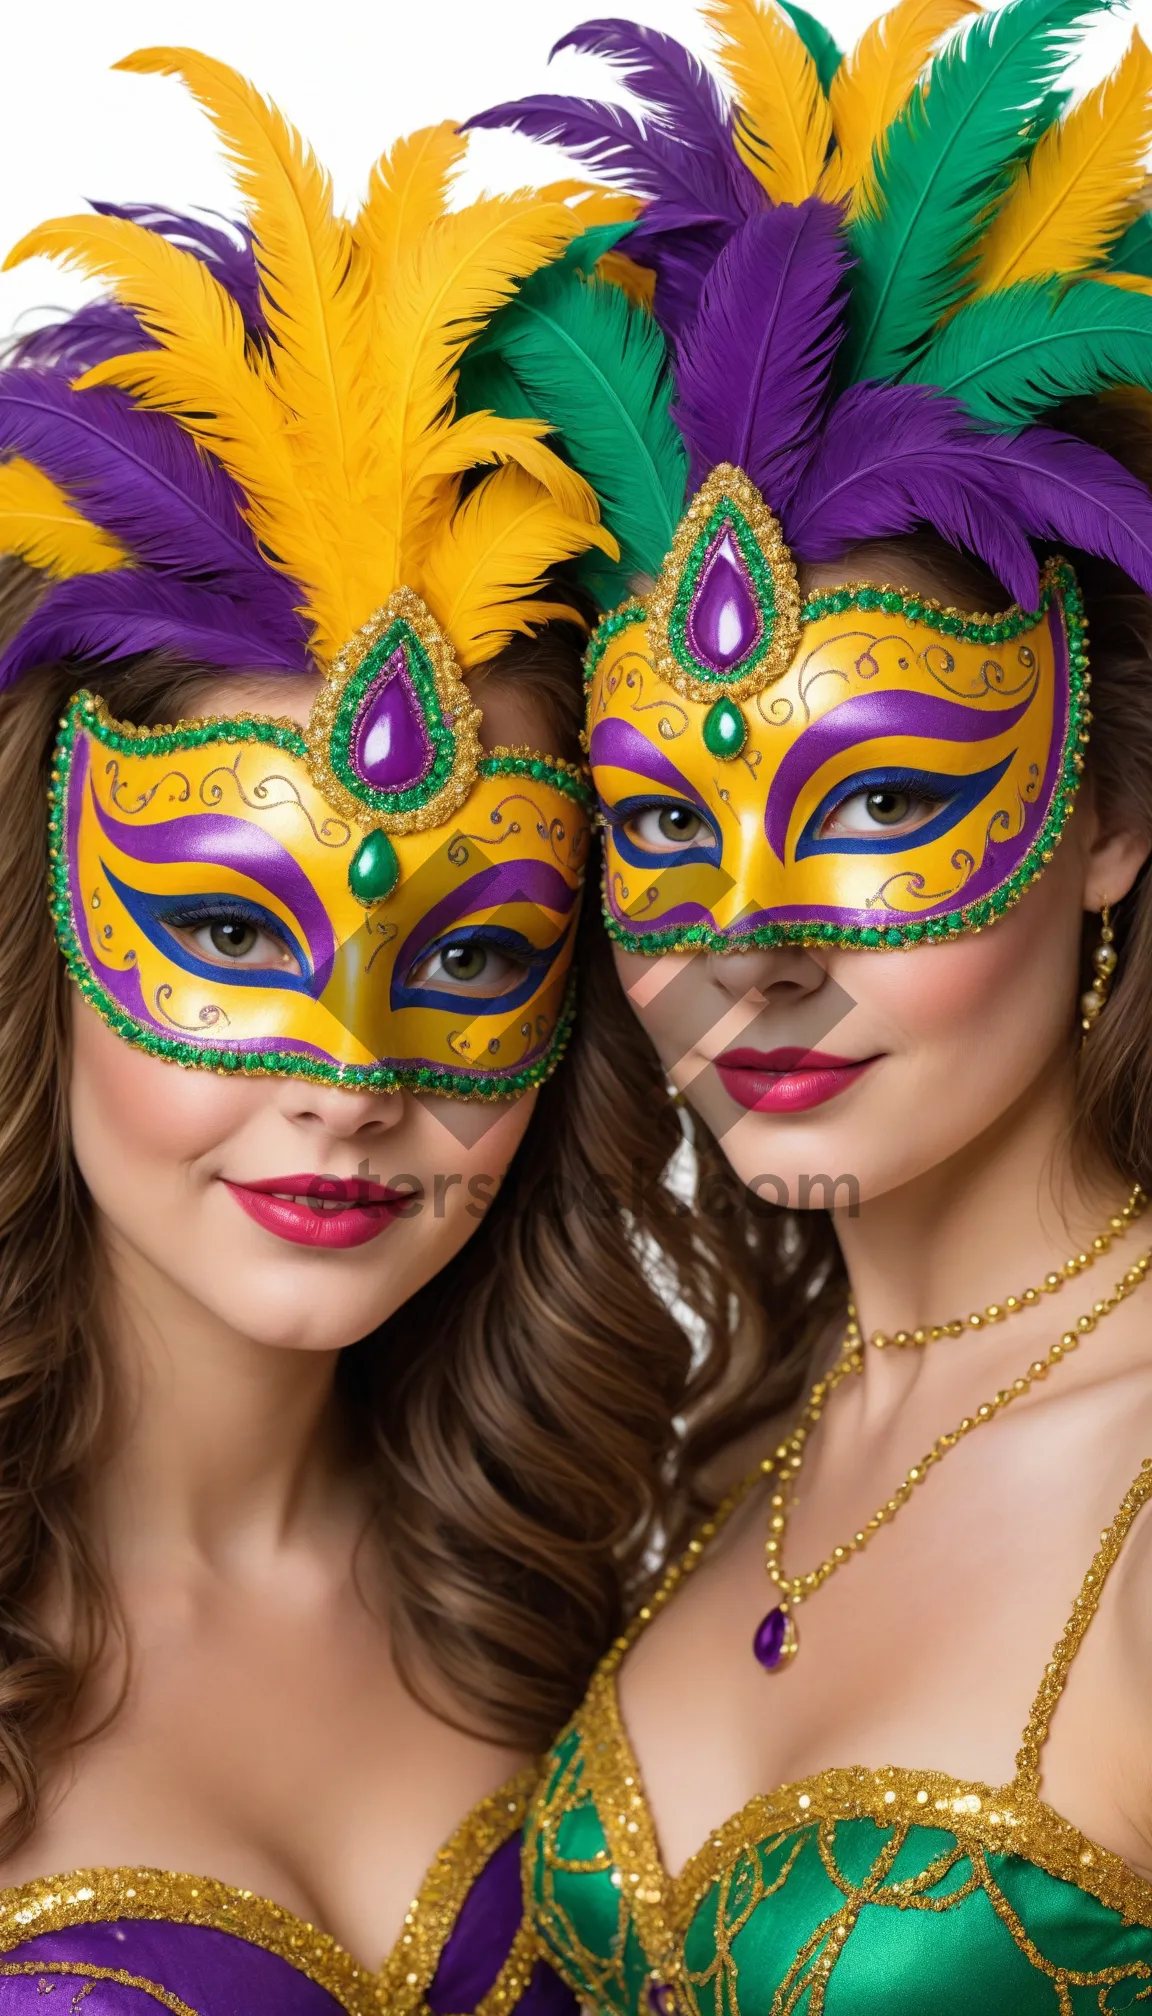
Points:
x=725, y=512
x=399, y=635
x=1059, y=584
x=934, y=615
x=87, y=712
x=565, y=777
x=630, y=612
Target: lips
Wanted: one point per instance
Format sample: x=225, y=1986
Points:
x=326, y=1211
x=787, y=1080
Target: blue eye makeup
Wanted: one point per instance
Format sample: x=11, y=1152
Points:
x=662, y=847
x=161, y=918
x=953, y=796
x=472, y=943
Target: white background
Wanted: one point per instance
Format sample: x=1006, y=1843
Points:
x=351, y=76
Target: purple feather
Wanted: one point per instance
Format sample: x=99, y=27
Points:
x=1066, y=491
x=109, y=617
x=143, y=479
x=892, y=457
x=99, y=330
x=754, y=369
x=225, y=248
x=681, y=258
x=668, y=77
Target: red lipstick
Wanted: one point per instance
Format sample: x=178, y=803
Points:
x=327, y=1211
x=788, y=1080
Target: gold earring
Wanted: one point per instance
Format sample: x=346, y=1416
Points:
x=1104, y=961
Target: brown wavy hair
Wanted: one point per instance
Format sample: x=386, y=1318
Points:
x=774, y=1278
x=513, y=1415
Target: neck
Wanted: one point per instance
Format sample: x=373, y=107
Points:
x=990, y=1222
x=222, y=1448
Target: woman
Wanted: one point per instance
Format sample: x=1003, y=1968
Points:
x=325, y=1464
x=875, y=873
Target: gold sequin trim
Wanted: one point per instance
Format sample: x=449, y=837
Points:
x=92, y=1896
x=81, y=1971
x=408, y=1972
x=726, y=481
x=617, y=1792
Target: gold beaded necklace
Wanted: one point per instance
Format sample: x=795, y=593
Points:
x=775, y=1641
x=996, y=1312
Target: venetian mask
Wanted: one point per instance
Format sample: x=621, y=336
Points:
x=863, y=769
x=368, y=901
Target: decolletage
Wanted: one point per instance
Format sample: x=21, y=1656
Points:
x=856, y=1892
x=126, y=1942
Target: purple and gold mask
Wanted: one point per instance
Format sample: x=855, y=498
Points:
x=868, y=769
x=368, y=901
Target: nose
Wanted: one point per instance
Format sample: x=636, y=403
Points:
x=784, y=975
x=343, y=1113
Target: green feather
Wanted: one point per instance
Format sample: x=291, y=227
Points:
x=825, y=53
x=1011, y=355
x=592, y=244
x=486, y=385
x=595, y=366
x=944, y=164
x=1133, y=252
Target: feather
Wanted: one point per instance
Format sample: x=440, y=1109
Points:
x=783, y=124
x=1012, y=356
x=595, y=368
x=225, y=247
x=141, y=478
x=753, y=371
x=943, y=163
x=490, y=558
x=110, y=617
x=896, y=456
x=1073, y=493
x=638, y=283
x=1077, y=192
x=825, y=52
x=875, y=81
x=425, y=314
x=38, y=522
x=98, y=330
x=407, y=191
x=203, y=371
x=312, y=287
x=670, y=80
x=1133, y=252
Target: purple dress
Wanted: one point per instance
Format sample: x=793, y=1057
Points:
x=129, y=1942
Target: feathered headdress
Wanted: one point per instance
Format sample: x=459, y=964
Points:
x=880, y=270
x=247, y=450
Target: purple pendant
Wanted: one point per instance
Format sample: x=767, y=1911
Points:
x=391, y=748
x=775, y=1641
x=724, y=621
x=661, y=1999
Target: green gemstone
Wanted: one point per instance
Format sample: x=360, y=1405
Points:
x=375, y=869
x=725, y=730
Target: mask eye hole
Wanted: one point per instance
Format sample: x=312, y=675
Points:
x=478, y=966
x=232, y=935
x=665, y=828
x=885, y=808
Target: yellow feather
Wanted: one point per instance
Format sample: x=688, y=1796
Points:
x=425, y=312
x=38, y=522
x=223, y=393
x=487, y=563
x=783, y=124
x=312, y=286
x=637, y=282
x=407, y=191
x=876, y=79
x=1134, y=283
x=1081, y=186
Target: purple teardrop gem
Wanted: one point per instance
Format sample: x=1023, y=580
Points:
x=768, y=1644
x=661, y=1999
x=724, y=622
x=391, y=747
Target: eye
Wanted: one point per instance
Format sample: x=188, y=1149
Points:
x=232, y=937
x=661, y=827
x=474, y=966
x=884, y=808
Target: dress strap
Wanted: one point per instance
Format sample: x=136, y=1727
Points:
x=1084, y=1609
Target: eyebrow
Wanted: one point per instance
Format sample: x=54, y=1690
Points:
x=222, y=841
x=619, y=745
x=865, y=718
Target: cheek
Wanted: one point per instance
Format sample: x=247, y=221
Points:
x=132, y=1114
